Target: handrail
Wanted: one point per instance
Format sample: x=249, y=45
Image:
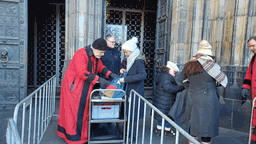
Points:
x=27, y=98
x=12, y=132
x=250, y=130
x=164, y=117
x=40, y=114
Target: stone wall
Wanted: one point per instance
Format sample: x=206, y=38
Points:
x=227, y=25
x=234, y=115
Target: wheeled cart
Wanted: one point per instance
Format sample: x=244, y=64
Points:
x=106, y=110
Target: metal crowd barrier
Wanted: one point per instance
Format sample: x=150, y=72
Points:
x=154, y=109
x=250, y=130
x=38, y=117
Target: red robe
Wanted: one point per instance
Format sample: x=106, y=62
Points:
x=250, y=82
x=74, y=104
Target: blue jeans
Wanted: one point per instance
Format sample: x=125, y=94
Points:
x=167, y=125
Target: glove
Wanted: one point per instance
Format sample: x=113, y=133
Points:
x=181, y=88
x=112, y=75
x=104, y=83
x=121, y=80
x=245, y=93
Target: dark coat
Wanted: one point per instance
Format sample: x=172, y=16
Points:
x=166, y=91
x=112, y=60
x=135, y=80
x=202, y=104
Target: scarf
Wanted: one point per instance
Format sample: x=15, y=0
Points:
x=211, y=68
x=132, y=58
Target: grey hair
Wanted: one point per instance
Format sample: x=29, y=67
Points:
x=109, y=36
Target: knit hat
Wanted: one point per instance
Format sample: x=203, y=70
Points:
x=131, y=44
x=100, y=44
x=205, y=48
x=172, y=66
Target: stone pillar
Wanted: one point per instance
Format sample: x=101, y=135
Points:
x=250, y=31
x=179, y=26
x=197, y=25
x=83, y=26
x=240, y=20
x=213, y=26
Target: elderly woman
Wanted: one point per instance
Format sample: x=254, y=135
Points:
x=203, y=74
x=136, y=73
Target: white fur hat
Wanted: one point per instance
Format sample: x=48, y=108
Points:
x=205, y=48
x=172, y=66
x=131, y=44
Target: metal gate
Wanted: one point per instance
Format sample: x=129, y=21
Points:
x=13, y=51
x=162, y=34
x=127, y=23
x=47, y=49
x=162, y=45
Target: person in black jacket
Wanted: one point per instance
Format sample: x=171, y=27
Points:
x=111, y=58
x=166, y=91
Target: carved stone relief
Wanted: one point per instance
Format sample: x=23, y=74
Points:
x=10, y=96
x=1, y=97
x=10, y=20
x=1, y=74
x=2, y=31
x=12, y=75
x=11, y=8
x=9, y=85
x=12, y=31
x=2, y=8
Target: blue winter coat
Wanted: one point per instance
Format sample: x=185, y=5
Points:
x=112, y=60
x=166, y=91
x=135, y=80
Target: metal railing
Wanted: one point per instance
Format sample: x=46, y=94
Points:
x=38, y=117
x=154, y=109
x=250, y=130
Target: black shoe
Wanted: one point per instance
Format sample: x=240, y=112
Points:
x=158, y=132
x=171, y=133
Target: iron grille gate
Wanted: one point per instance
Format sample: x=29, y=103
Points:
x=125, y=24
x=47, y=49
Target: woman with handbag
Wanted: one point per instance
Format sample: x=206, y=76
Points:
x=202, y=99
x=136, y=74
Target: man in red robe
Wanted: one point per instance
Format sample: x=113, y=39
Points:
x=78, y=82
x=250, y=82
